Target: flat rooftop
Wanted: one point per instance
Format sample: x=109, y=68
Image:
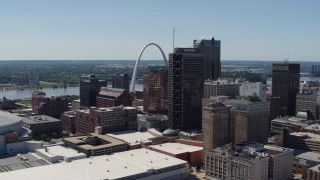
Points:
x=13, y=163
x=81, y=141
x=311, y=156
x=7, y=118
x=39, y=119
x=316, y=168
x=176, y=148
x=53, y=151
x=308, y=135
x=141, y=162
x=132, y=137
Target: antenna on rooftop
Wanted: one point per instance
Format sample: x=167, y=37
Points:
x=286, y=61
x=173, y=39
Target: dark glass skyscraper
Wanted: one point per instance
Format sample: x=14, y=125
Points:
x=210, y=48
x=120, y=81
x=89, y=89
x=285, y=84
x=186, y=79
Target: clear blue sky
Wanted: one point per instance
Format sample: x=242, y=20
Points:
x=105, y=29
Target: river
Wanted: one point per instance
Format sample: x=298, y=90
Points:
x=27, y=93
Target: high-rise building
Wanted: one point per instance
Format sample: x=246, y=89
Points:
x=112, y=97
x=89, y=89
x=285, y=84
x=255, y=89
x=251, y=119
x=315, y=72
x=221, y=87
x=186, y=79
x=309, y=103
x=249, y=161
x=106, y=120
x=37, y=98
x=155, y=89
x=210, y=48
x=218, y=122
x=120, y=81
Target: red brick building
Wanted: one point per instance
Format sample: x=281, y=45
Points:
x=112, y=97
x=68, y=121
x=155, y=89
x=52, y=107
x=106, y=120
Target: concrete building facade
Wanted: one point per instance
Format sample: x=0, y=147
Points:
x=251, y=119
x=253, y=162
x=218, y=124
x=221, y=87
x=255, y=89
x=309, y=103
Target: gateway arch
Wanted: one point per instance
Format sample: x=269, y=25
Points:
x=133, y=80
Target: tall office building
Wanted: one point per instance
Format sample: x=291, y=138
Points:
x=155, y=88
x=251, y=119
x=89, y=89
x=210, y=48
x=285, y=84
x=186, y=79
x=218, y=122
x=315, y=72
x=120, y=81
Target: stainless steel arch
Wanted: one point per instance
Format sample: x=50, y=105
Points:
x=133, y=80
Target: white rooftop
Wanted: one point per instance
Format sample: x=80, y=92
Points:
x=312, y=156
x=132, y=137
x=119, y=165
x=53, y=151
x=176, y=148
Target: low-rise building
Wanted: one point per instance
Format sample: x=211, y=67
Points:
x=192, y=154
x=149, y=121
x=250, y=161
x=135, y=164
x=302, y=140
x=293, y=123
x=112, y=97
x=135, y=139
x=42, y=124
x=55, y=154
x=106, y=120
x=95, y=144
x=68, y=120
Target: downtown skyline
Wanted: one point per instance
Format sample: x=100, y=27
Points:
x=117, y=30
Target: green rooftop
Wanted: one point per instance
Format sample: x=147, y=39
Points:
x=245, y=101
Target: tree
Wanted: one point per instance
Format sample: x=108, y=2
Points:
x=44, y=137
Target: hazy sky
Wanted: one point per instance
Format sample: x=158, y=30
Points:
x=105, y=29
